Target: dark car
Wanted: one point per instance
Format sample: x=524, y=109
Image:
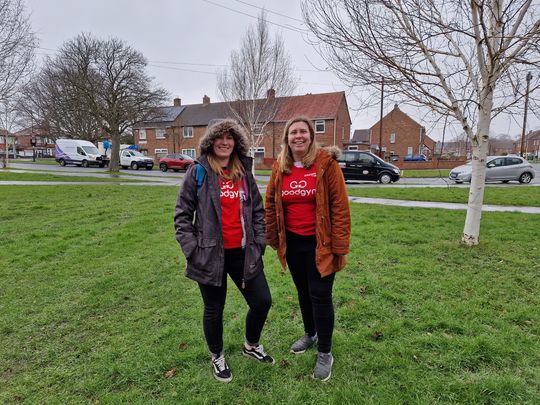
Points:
x=358, y=165
x=175, y=161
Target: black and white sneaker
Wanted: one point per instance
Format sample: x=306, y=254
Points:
x=257, y=353
x=221, y=370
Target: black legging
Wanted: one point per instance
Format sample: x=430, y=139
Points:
x=256, y=294
x=314, y=291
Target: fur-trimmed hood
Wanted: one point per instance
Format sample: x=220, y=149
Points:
x=333, y=151
x=241, y=140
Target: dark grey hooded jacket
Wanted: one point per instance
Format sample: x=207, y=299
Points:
x=197, y=217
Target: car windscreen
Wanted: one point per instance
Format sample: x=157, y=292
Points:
x=135, y=153
x=91, y=150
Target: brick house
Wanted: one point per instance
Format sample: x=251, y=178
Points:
x=359, y=141
x=181, y=133
x=401, y=136
x=44, y=142
x=531, y=144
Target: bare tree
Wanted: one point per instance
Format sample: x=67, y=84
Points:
x=50, y=102
x=259, y=70
x=17, y=43
x=463, y=59
x=93, y=81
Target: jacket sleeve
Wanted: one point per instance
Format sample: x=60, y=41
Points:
x=259, y=227
x=272, y=237
x=339, y=210
x=186, y=205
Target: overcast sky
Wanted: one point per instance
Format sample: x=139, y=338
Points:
x=187, y=41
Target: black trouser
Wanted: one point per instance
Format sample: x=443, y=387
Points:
x=314, y=291
x=256, y=294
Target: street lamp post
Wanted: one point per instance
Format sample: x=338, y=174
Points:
x=33, y=143
x=381, y=155
x=529, y=77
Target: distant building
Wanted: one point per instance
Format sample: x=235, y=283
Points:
x=179, y=128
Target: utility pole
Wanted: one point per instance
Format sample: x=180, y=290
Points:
x=381, y=154
x=529, y=77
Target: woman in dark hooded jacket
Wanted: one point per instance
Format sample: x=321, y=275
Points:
x=219, y=223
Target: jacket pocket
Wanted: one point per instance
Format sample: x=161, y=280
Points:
x=204, y=254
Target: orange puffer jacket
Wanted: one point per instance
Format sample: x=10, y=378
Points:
x=333, y=227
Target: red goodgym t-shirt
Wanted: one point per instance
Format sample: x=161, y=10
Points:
x=298, y=194
x=230, y=214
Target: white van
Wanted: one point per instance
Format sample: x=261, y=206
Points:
x=135, y=160
x=78, y=152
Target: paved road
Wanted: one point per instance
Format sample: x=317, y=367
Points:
x=175, y=177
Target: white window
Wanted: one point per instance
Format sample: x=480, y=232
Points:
x=319, y=126
x=161, y=151
x=160, y=133
x=189, y=152
x=2, y=139
x=188, y=132
x=409, y=150
x=142, y=134
x=353, y=147
x=392, y=137
x=257, y=152
x=258, y=129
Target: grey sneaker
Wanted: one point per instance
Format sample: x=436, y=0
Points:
x=304, y=343
x=323, y=368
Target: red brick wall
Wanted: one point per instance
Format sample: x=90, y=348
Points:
x=432, y=164
x=406, y=129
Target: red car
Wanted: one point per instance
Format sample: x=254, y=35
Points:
x=175, y=161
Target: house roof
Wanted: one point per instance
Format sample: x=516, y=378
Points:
x=360, y=136
x=323, y=106
x=201, y=114
x=313, y=106
x=534, y=135
x=162, y=115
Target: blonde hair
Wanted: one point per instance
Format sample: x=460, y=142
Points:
x=235, y=167
x=285, y=158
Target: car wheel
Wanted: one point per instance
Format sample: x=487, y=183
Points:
x=163, y=167
x=149, y=167
x=505, y=181
x=62, y=162
x=385, y=178
x=134, y=166
x=525, y=178
x=175, y=170
x=84, y=163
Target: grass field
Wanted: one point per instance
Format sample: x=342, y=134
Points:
x=525, y=196
x=94, y=309
x=14, y=176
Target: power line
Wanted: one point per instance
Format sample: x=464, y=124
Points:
x=269, y=11
x=253, y=16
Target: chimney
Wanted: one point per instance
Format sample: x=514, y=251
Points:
x=271, y=94
x=206, y=100
x=395, y=107
x=177, y=102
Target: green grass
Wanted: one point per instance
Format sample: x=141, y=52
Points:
x=44, y=161
x=419, y=173
x=525, y=196
x=94, y=307
x=11, y=176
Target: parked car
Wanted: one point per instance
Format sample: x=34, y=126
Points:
x=415, y=158
x=498, y=168
x=135, y=160
x=357, y=165
x=78, y=152
x=175, y=161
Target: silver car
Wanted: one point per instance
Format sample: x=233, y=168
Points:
x=498, y=168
